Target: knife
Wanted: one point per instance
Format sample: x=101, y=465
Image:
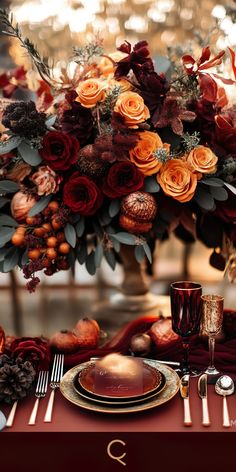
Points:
x=184, y=392
x=202, y=392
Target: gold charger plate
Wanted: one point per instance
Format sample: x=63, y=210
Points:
x=170, y=390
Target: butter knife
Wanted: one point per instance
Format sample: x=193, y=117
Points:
x=202, y=392
x=184, y=392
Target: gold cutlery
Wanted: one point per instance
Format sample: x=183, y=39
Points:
x=184, y=392
x=202, y=392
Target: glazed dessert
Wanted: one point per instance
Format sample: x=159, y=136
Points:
x=119, y=376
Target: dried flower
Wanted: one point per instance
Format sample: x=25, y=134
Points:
x=46, y=180
x=172, y=114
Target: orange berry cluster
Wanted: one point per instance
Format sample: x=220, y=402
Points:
x=45, y=233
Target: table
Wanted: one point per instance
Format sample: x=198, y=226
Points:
x=165, y=418
x=78, y=440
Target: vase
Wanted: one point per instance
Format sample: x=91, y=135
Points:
x=132, y=299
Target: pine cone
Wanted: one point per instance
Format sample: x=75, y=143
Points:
x=22, y=118
x=16, y=378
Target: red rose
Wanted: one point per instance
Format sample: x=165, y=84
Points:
x=227, y=210
x=122, y=179
x=59, y=150
x=35, y=350
x=82, y=195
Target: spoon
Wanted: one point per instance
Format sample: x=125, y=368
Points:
x=225, y=386
x=3, y=420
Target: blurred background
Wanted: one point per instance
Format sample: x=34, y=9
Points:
x=173, y=26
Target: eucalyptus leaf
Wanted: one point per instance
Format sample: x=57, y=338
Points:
x=80, y=226
x=114, y=208
x=50, y=122
x=125, y=238
x=213, y=182
x=6, y=235
x=82, y=252
x=148, y=252
x=40, y=205
x=90, y=263
x=6, y=220
x=151, y=185
x=10, y=144
x=29, y=155
x=3, y=252
x=110, y=258
x=8, y=186
x=219, y=193
x=98, y=255
x=98, y=229
x=70, y=234
x=230, y=187
x=24, y=258
x=3, y=201
x=11, y=260
x=139, y=253
x=115, y=243
x=204, y=199
x=104, y=218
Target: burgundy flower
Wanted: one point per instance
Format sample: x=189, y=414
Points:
x=77, y=121
x=82, y=195
x=35, y=350
x=122, y=179
x=153, y=90
x=10, y=81
x=59, y=150
x=226, y=131
x=136, y=60
x=200, y=68
x=172, y=114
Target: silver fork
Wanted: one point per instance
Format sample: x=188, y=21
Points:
x=56, y=375
x=40, y=392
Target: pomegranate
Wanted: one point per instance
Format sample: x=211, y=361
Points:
x=64, y=341
x=87, y=332
x=21, y=204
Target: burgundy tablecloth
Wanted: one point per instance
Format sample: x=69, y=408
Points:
x=166, y=418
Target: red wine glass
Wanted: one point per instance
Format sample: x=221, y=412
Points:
x=186, y=315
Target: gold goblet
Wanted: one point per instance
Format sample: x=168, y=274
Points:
x=211, y=323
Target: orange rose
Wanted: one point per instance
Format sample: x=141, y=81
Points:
x=202, y=159
x=131, y=106
x=142, y=154
x=177, y=180
x=90, y=92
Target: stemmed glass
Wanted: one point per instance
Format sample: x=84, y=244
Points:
x=186, y=314
x=211, y=323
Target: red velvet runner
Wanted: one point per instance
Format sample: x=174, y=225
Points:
x=225, y=352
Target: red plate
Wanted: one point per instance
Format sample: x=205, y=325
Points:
x=150, y=380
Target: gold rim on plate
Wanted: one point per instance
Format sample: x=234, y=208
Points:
x=170, y=390
x=94, y=396
x=122, y=402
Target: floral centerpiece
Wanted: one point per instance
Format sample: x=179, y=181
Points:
x=118, y=154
